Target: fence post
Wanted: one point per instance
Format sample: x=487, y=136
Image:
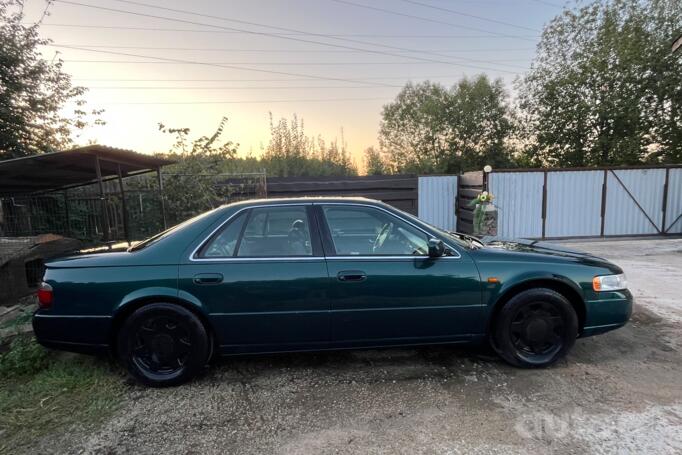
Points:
x=544, y=203
x=126, y=227
x=665, y=200
x=66, y=213
x=603, y=202
x=161, y=198
x=105, y=213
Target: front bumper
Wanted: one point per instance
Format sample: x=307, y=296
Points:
x=84, y=334
x=608, y=311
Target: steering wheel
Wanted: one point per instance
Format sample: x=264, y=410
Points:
x=381, y=238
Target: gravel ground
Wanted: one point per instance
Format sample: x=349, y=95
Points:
x=618, y=392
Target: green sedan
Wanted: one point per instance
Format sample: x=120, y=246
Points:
x=322, y=273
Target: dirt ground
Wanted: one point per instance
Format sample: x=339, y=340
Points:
x=618, y=392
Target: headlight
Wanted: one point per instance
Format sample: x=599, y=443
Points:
x=609, y=282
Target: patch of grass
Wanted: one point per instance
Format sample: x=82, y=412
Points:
x=24, y=357
x=24, y=317
x=43, y=392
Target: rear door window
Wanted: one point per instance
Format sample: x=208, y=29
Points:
x=276, y=232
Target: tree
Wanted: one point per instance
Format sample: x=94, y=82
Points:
x=375, y=162
x=605, y=88
x=432, y=129
x=291, y=153
x=190, y=184
x=33, y=91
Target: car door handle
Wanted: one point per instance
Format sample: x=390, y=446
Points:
x=208, y=278
x=351, y=275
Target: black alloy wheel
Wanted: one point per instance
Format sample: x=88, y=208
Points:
x=535, y=328
x=163, y=344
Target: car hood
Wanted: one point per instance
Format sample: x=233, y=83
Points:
x=539, y=249
x=533, y=246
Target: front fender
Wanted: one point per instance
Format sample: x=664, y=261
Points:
x=499, y=292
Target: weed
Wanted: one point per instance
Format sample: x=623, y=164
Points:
x=43, y=392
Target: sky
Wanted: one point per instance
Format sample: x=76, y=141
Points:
x=333, y=63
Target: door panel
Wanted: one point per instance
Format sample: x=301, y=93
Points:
x=405, y=300
x=385, y=290
x=264, y=281
x=263, y=305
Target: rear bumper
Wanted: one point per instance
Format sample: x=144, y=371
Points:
x=610, y=311
x=84, y=334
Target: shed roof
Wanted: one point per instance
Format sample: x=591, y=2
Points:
x=72, y=168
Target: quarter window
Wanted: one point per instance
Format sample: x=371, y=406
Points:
x=366, y=231
x=224, y=244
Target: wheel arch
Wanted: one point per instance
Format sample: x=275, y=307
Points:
x=130, y=306
x=572, y=294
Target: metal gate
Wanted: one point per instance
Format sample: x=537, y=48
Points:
x=588, y=202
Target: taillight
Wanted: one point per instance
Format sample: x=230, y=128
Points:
x=45, y=295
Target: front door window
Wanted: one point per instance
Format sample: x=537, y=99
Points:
x=366, y=231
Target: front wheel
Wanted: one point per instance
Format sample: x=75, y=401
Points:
x=535, y=328
x=162, y=344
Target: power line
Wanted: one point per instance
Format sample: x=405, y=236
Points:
x=308, y=87
x=145, y=62
x=459, y=13
x=328, y=35
x=543, y=2
x=372, y=51
x=192, y=62
x=259, y=80
x=309, y=100
x=426, y=19
x=284, y=51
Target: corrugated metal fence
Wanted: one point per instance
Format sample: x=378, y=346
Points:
x=437, y=200
x=588, y=203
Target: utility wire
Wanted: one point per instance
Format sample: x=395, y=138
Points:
x=543, y=2
x=309, y=100
x=219, y=65
x=459, y=13
x=260, y=80
x=329, y=35
x=146, y=62
x=275, y=35
x=288, y=87
x=285, y=51
x=426, y=19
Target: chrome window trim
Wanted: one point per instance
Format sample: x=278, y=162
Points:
x=410, y=256
x=193, y=258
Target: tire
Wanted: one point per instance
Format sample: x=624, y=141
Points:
x=535, y=328
x=162, y=344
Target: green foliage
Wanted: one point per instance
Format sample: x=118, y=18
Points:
x=25, y=356
x=190, y=186
x=605, y=88
x=33, y=91
x=209, y=171
x=432, y=129
x=43, y=392
x=376, y=163
x=291, y=153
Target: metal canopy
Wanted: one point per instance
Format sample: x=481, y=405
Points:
x=73, y=168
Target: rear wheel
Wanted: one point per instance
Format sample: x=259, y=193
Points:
x=162, y=344
x=535, y=328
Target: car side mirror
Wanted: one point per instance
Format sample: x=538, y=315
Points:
x=436, y=248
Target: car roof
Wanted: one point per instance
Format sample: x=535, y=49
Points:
x=306, y=200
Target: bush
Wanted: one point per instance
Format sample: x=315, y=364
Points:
x=25, y=357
